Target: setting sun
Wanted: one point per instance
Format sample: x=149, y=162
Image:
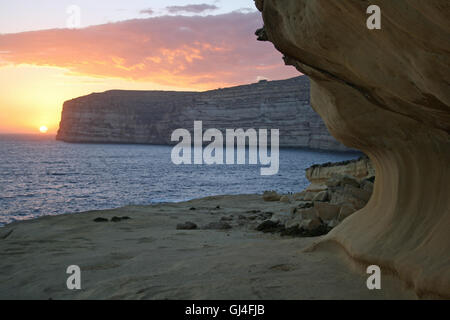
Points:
x=43, y=129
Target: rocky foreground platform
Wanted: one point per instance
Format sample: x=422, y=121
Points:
x=145, y=256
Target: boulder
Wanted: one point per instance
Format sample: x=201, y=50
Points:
x=285, y=199
x=321, y=196
x=187, y=226
x=326, y=211
x=308, y=213
x=311, y=224
x=271, y=196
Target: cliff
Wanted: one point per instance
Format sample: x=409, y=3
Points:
x=151, y=116
x=387, y=93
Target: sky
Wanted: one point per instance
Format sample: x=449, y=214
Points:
x=55, y=50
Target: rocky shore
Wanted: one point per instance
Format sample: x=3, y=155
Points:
x=211, y=248
x=221, y=247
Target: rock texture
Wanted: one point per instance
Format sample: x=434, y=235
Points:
x=151, y=116
x=387, y=93
x=337, y=190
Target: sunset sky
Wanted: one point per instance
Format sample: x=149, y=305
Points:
x=135, y=44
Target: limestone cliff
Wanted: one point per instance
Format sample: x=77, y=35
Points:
x=151, y=116
x=318, y=175
x=387, y=93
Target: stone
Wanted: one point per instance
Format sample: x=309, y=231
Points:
x=308, y=213
x=326, y=211
x=186, y=226
x=99, y=219
x=357, y=192
x=271, y=196
x=118, y=219
x=321, y=196
x=299, y=196
x=332, y=223
x=280, y=218
x=308, y=196
x=295, y=221
x=345, y=211
x=285, y=199
x=367, y=185
x=311, y=224
x=269, y=226
x=221, y=225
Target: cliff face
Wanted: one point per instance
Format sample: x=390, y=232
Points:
x=386, y=92
x=318, y=175
x=151, y=116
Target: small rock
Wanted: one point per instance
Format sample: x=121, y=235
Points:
x=342, y=180
x=266, y=215
x=226, y=219
x=221, y=225
x=308, y=213
x=367, y=186
x=187, y=226
x=327, y=211
x=332, y=223
x=271, y=196
x=299, y=196
x=269, y=226
x=285, y=199
x=321, y=196
x=308, y=196
x=294, y=222
x=118, y=219
x=99, y=219
x=311, y=224
x=192, y=208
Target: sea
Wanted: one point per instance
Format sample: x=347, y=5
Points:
x=41, y=176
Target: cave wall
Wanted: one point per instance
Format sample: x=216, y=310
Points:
x=387, y=93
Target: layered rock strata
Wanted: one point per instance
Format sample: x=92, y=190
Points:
x=387, y=93
x=151, y=116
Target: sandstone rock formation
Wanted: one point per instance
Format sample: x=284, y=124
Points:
x=151, y=116
x=387, y=93
x=337, y=190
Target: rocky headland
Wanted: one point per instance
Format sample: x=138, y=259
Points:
x=150, y=117
x=385, y=92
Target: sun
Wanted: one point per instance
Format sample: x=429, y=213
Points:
x=43, y=129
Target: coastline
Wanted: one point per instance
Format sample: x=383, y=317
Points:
x=146, y=257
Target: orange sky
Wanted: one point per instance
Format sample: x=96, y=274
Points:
x=40, y=70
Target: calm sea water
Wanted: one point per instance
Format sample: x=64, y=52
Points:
x=41, y=176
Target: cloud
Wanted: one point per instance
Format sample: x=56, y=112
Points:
x=193, y=8
x=147, y=11
x=178, y=51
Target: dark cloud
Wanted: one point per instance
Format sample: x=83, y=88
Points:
x=199, y=51
x=192, y=8
x=147, y=11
